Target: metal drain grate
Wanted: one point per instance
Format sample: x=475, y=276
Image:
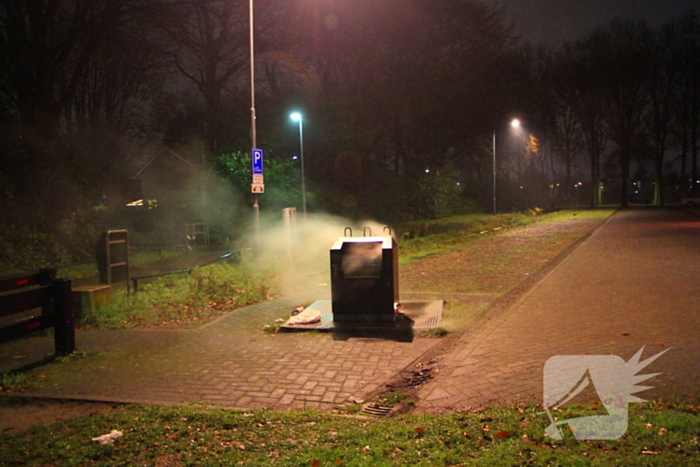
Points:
x=377, y=409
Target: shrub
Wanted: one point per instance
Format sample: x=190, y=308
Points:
x=26, y=246
x=186, y=298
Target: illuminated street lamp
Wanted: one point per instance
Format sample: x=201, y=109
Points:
x=296, y=116
x=515, y=123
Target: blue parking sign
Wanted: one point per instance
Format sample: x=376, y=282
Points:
x=257, y=156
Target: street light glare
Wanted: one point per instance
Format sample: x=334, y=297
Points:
x=296, y=116
x=515, y=123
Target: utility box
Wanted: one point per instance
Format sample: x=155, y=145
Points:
x=364, y=281
x=89, y=298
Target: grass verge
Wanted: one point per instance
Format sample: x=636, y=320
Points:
x=484, y=263
x=183, y=299
x=659, y=434
x=420, y=239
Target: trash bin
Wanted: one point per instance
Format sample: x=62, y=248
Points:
x=364, y=281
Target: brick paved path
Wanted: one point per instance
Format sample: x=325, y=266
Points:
x=230, y=362
x=634, y=283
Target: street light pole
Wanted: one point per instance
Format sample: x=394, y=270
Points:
x=515, y=123
x=253, y=133
x=297, y=117
x=494, y=172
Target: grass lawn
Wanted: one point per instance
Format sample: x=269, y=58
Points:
x=421, y=239
x=181, y=300
x=492, y=258
x=658, y=434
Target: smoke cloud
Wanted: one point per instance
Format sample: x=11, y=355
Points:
x=300, y=249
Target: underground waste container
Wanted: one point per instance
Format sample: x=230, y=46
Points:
x=364, y=282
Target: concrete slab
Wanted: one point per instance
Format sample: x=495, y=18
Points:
x=424, y=314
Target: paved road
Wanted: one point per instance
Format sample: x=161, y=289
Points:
x=632, y=284
x=635, y=283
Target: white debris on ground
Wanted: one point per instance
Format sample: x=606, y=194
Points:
x=109, y=437
x=308, y=316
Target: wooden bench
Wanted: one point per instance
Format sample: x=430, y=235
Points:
x=19, y=295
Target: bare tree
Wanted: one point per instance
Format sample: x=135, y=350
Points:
x=416, y=72
x=582, y=60
x=47, y=48
x=210, y=46
x=54, y=55
x=625, y=57
x=687, y=103
x=567, y=132
x=661, y=82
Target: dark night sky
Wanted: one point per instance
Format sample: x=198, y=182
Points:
x=553, y=21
